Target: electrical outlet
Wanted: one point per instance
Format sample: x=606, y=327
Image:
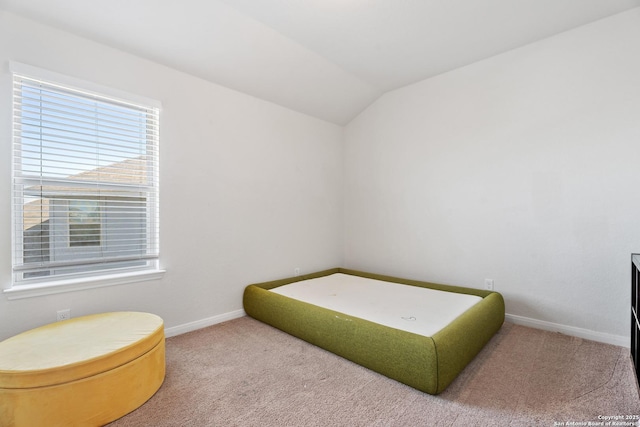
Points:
x=296, y=271
x=64, y=314
x=488, y=284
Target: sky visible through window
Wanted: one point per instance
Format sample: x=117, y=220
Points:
x=63, y=135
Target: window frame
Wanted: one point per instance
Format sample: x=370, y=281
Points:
x=23, y=288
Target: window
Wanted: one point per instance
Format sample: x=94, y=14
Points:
x=85, y=223
x=85, y=180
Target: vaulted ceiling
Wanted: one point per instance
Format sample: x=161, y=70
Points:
x=326, y=58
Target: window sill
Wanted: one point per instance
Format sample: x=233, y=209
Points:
x=71, y=285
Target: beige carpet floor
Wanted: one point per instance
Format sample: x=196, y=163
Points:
x=245, y=373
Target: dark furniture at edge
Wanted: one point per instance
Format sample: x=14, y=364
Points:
x=635, y=305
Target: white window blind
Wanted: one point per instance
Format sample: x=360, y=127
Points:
x=85, y=183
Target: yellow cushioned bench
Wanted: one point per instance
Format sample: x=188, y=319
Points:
x=86, y=371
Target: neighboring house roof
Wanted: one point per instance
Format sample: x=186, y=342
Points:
x=130, y=171
x=35, y=213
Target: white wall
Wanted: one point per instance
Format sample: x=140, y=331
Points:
x=249, y=190
x=523, y=168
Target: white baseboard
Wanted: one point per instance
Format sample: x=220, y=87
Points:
x=618, y=340
x=199, y=324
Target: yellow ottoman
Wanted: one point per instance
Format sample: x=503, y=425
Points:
x=86, y=371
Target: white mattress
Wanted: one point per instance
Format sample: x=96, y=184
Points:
x=410, y=308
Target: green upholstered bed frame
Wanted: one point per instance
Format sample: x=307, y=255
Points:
x=428, y=364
